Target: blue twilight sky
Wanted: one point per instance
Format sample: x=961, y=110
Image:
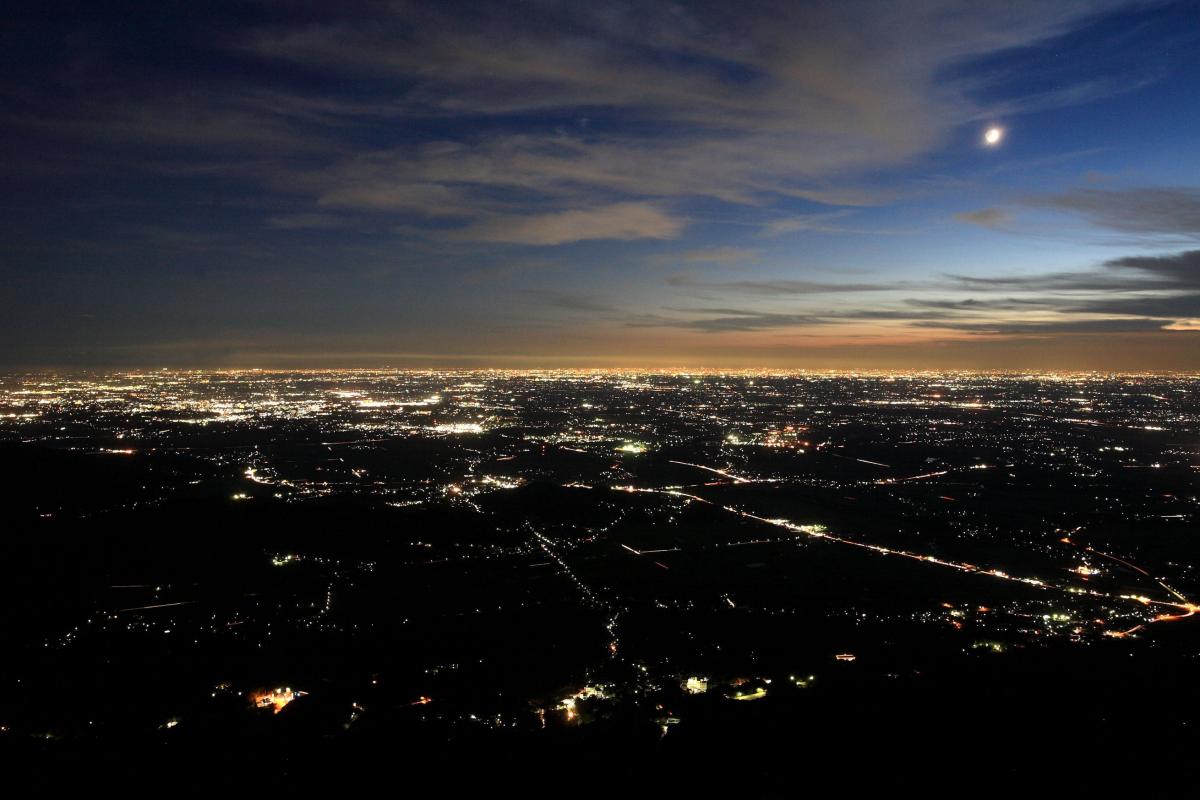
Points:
x=791, y=184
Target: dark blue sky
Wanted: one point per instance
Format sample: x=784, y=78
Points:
x=549, y=184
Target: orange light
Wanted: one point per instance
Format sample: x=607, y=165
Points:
x=276, y=699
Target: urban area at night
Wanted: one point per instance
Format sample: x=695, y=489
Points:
x=617, y=568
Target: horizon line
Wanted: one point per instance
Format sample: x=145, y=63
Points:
x=580, y=369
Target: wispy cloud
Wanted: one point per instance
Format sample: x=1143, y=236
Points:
x=986, y=217
x=308, y=221
x=1045, y=327
x=1134, y=293
x=1147, y=214
x=592, y=109
x=818, y=223
x=725, y=256
x=1153, y=210
x=723, y=320
x=617, y=221
x=775, y=287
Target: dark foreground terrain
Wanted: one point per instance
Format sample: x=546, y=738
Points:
x=591, y=583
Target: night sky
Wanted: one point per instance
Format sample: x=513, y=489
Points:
x=554, y=184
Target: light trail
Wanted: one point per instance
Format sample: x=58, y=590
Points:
x=874, y=463
x=637, y=552
x=1175, y=592
x=613, y=611
x=157, y=605
x=862, y=460
x=916, y=477
x=715, y=471
x=818, y=532
x=1186, y=604
x=1118, y=560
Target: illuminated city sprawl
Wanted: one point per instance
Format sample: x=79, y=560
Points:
x=530, y=553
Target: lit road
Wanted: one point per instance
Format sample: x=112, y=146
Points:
x=818, y=532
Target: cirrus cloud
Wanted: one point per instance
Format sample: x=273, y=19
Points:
x=616, y=221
